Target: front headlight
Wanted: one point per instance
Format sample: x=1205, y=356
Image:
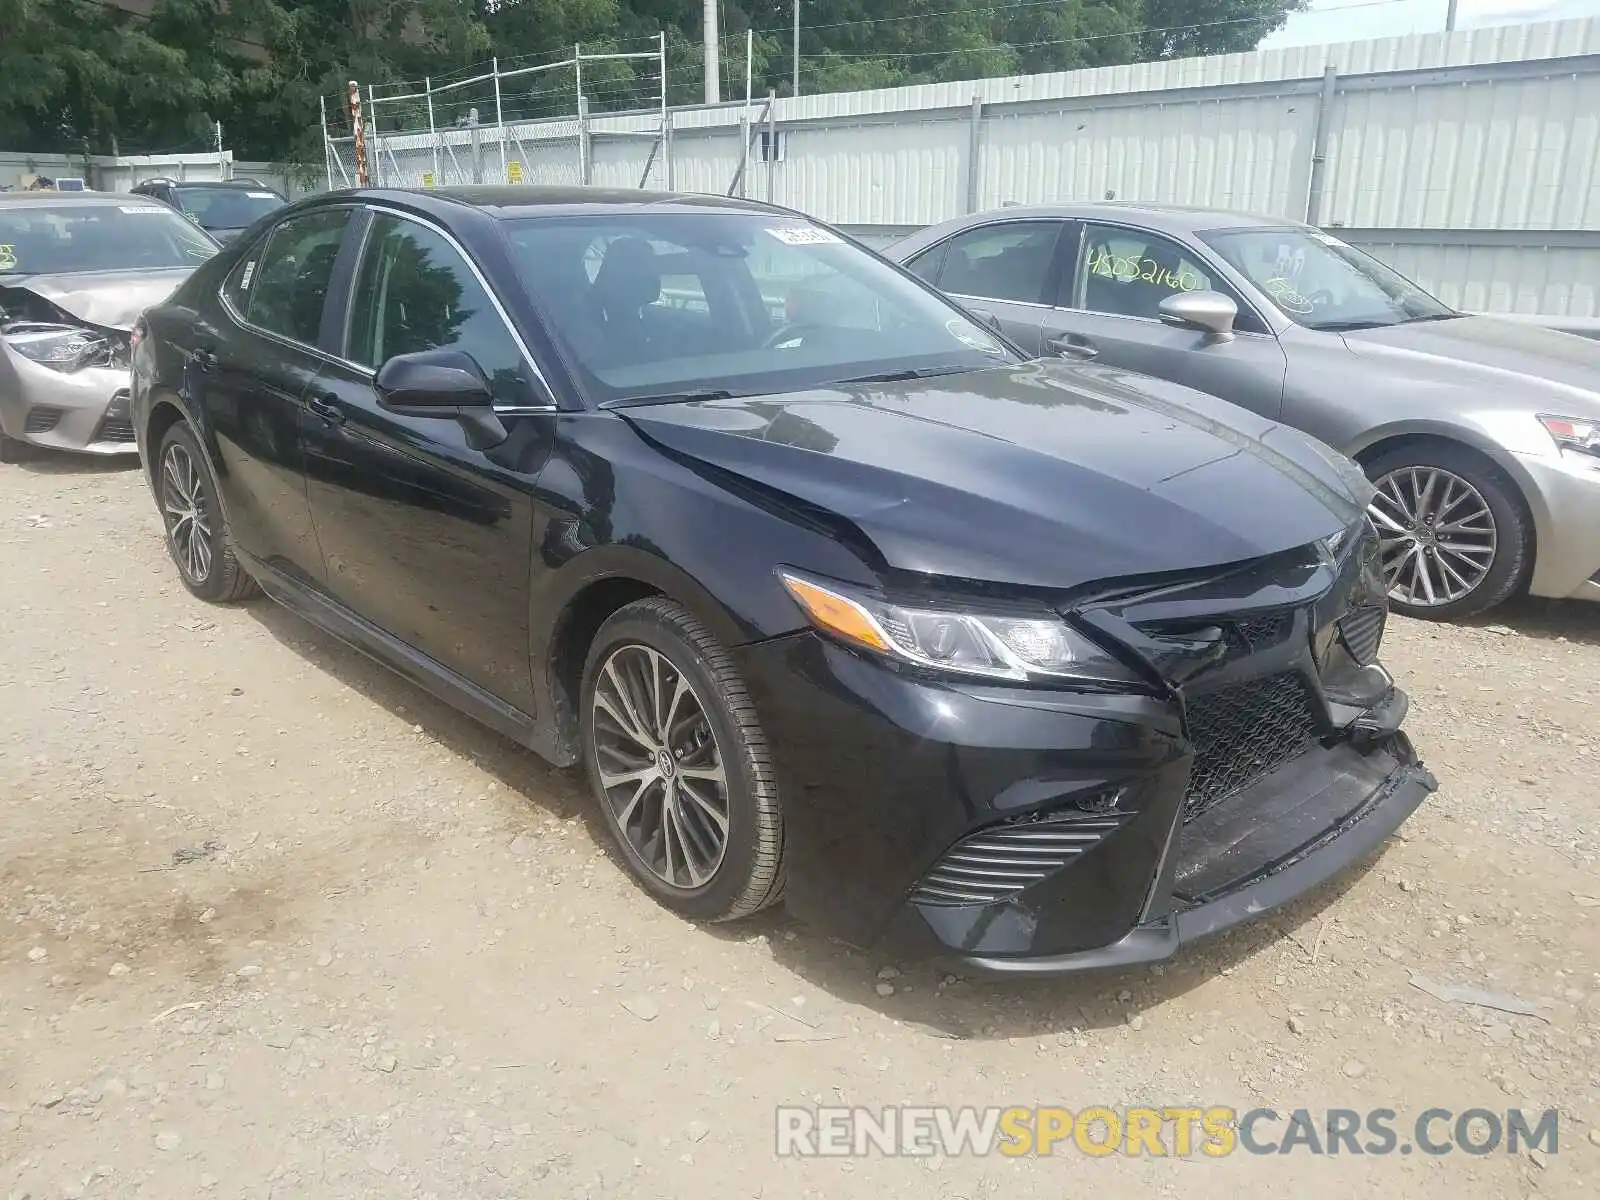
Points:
x=61, y=349
x=1574, y=433
x=1018, y=647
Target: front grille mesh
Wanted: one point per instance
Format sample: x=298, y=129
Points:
x=41, y=419
x=1243, y=732
x=1256, y=633
x=1361, y=631
x=113, y=430
x=117, y=425
x=994, y=863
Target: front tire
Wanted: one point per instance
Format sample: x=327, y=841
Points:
x=198, y=537
x=1454, y=533
x=679, y=766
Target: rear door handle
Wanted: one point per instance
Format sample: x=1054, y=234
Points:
x=325, y=405
x=1073, y=346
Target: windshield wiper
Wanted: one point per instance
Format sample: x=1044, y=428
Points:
x=1447, y=316
x=901, y=376
x=685, y=397
x=1350, y=326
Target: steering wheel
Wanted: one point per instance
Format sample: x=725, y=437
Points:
x=1319, y=298
x=784, y=333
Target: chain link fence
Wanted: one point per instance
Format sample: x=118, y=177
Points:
x=594, y=118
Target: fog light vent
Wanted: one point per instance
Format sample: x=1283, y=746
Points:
x=994, y=863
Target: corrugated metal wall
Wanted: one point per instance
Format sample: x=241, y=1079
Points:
x=1484, y=130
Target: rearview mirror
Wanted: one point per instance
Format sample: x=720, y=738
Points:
x=1210, y=312
x=445, y=384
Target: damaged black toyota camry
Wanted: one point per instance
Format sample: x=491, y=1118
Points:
x=838, y=598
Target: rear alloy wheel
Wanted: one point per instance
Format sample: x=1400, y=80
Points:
x=197, y=534
x=1452, y=531
x=678, y=764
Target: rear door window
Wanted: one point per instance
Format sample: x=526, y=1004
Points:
x=1009, y=261
x=285, y=292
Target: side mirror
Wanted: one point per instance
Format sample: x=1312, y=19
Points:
x=446, y=384
x=1210, y=312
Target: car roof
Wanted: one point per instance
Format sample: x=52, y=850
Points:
x=1168, y=218
x=57, y=199
x=513, y=201
x=241, y=184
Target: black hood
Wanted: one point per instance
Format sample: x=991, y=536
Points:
x=1044, y=475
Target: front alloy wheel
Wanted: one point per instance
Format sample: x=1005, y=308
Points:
x=678, y=763
x=1451, y=530
x=659, y=767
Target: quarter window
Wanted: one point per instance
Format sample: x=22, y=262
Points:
x=285, y=291
x=415, y=292
x=1000, y=262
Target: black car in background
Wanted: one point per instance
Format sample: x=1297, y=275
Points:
x=223, y=209
x=1045, y=666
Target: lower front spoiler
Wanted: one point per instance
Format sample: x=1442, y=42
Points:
x=1273, y=883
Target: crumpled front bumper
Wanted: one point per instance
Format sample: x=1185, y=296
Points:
x=84, y=411
x=1259, y=850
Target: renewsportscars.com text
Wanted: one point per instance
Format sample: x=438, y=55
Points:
x=1166, y=1131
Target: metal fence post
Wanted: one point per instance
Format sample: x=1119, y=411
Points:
x=433, y=134
x=327, y=146
x=499, y=118
x=585, y=157
x=477, y=145
x=974, y=153
x=772, y=141
x=377, y=143
x=1319, y=145
x=667, y=119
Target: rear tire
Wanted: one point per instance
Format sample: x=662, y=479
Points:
x=679, y=766
x=1469, y=527
x=198, y=537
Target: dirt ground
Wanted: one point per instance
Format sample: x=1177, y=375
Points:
x=275, y=923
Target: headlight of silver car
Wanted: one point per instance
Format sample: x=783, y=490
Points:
x=1574, y=433
x=993, y=645
x=61, y=348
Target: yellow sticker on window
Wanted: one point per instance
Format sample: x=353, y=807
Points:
x=8, y=257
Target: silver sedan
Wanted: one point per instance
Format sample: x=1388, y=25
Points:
x=1482, y=436
x=76, y=270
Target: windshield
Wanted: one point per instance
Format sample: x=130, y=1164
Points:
x=1318, y=281
x=654, y=305
x=48, y=239
x=227, y=207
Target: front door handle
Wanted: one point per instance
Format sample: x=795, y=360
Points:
x=1073, y=346
x=325, y=405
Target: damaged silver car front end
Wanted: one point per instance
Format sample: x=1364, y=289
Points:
x=64, y=356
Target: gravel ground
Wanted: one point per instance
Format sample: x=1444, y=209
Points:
x=274, y=923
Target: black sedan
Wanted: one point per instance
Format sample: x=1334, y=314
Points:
x=838, y=597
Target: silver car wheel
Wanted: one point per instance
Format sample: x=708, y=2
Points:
x=659, y=766
x=184, y=505
x=1436, y=533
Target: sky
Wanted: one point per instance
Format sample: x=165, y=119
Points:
x=1346, y=20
